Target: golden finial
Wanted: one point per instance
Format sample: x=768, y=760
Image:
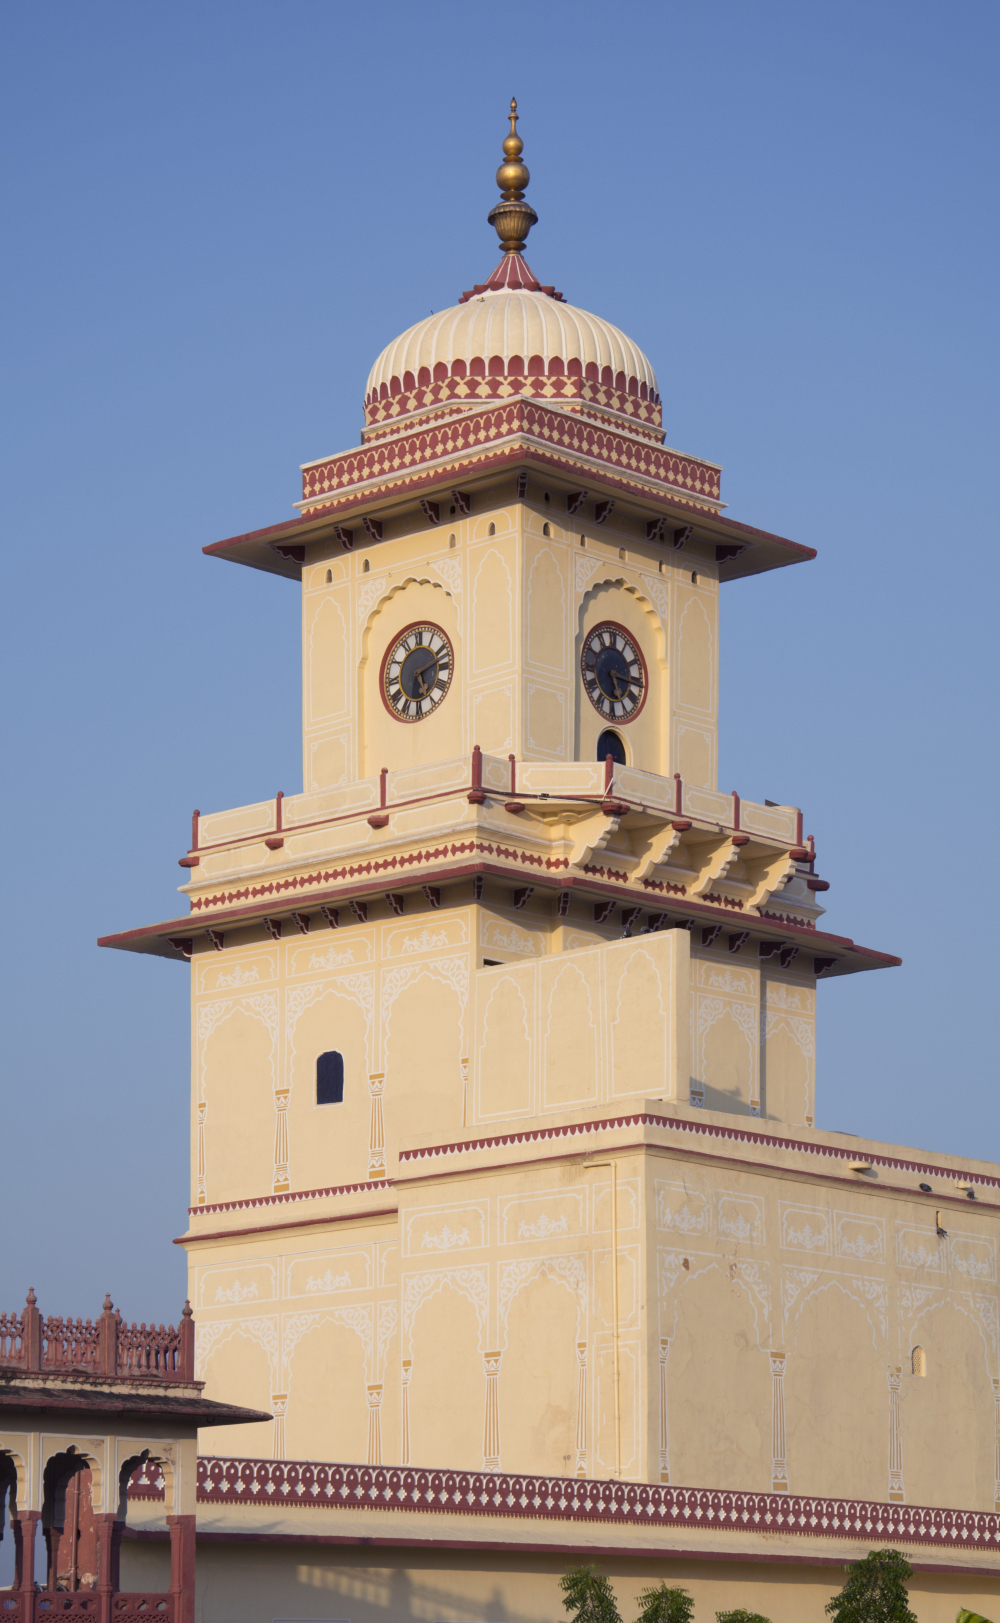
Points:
x=512, y=217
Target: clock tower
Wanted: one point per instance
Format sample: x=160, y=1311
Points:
x=503, y=1029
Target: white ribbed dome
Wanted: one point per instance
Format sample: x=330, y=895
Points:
x=509, y=323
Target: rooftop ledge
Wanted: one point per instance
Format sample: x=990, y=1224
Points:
x=574, y=829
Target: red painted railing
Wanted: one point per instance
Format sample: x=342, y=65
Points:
x=104, y=1346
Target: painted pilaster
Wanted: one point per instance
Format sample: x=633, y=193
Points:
x=375, y=1424
x=491, y=1430
x=779, y=1459
x=896, y=1493
x=664, y=1434
x=404, y=1442
x=280, y=1140
x=376, y=1135
x=279, y=1408
x=996, y=1444
x=202, y=1197
x=581, y=1409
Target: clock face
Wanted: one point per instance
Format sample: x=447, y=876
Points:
x=614, y=672
x=416, y=672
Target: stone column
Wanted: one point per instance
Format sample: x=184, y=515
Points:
x=404, y=1451
x=182, y=1559
x=376, y=1136
x=281, y=1140
x=664, y=1433
x=896, y=1494
x=779, y=1460
x=25, y=1526
x=581, y=1409
x=375, y=1424
x=279, y=1406
x=491, y=1431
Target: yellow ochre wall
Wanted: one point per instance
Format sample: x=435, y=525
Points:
x=515, y=590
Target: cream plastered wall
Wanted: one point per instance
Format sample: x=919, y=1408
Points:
x=465, y=1014
x=259, y=1582
x=767, y=1328
x=515, y=585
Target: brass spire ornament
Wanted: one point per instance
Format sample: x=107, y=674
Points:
x=512, y=217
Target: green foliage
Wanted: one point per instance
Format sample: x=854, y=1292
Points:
x=875, y=1591
x=741, y=1615
x=663, y=1605
x=970, y=1617
x=589, y=1597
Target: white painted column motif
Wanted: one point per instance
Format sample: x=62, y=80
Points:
x=896, y=1494
x=779, y=1459
x=279, y=1408
x=491, y=1430
x=375, y=1424
x=404, y=1443
x=281, y=1140
x=581, y=1409
x=465, y=1092
x=376, y=1136
x=664, y=1434
x=201, y=1154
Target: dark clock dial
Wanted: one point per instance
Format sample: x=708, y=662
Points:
x=614, y=672
x=416, y=672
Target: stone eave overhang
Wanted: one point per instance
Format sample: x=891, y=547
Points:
x=760, y=550
x=85, y=1395
x=158, y=939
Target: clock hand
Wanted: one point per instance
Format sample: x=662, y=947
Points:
x=418, y=674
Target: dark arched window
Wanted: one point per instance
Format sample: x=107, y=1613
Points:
x=330, y=1078
x=610, y=744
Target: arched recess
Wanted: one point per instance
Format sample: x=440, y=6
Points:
x=837, y=1392
x=446, y=1394
x=237, y=1060
x=71, y=1491
x=718, y=1383
x=948, y=1419
x=326, y=1368
x=237, y=1360
x=615, y=598
x=13, y=1485
x=544, y=1320
x=328, y=1144
x=423, y=1023
x=146, y=1474
x=386, y=741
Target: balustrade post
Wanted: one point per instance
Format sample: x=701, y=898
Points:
x=182, y=1564
x=31, y=1333
x=107, y=1325
x=185, y=1354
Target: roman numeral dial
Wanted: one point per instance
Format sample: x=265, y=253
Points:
x=613, y=671
x=416, y=672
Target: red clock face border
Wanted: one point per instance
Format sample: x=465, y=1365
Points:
x=608, y=716
x=442, y=684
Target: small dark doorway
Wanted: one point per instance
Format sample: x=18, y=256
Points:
x=610, y=744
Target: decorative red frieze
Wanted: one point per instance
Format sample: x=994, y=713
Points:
x=700, y=1129
x=386, y=460
x=381, y=865
x=718, y=900
x=789, y=918
x=605, y=873
x=369, y=1187
x=223, y=1481
x=665, y=886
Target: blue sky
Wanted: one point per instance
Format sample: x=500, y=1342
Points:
x=217, y=215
